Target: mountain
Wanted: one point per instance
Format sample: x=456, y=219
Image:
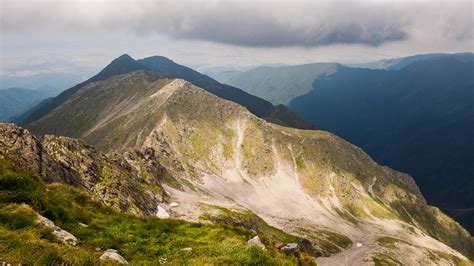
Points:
x=63, y=202
x=16, y=100
x=279, y=85
x=399, y=63
x=126, y=64
x=418, y=120
x=224, y=164
x=54, y=79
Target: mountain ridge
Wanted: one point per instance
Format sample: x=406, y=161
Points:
x=414, y=119
x=126, y=64
x=219, y=154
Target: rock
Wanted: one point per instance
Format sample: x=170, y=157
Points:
x=63, y=235
x=359, y=245
x=291, y=249
x=98, y=249
x=83, y=225
x=162, y=213
x=187, y=249
x=256, y=241
x=111, y=254
x=173, y=204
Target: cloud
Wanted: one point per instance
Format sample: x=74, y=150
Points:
x=249, y=24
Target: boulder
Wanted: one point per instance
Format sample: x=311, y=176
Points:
x=162, y=213
x=111, y=254
x=63, y=235
x=291, y=249
x=256, y=241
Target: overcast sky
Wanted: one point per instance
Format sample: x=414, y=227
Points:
x=84, y=35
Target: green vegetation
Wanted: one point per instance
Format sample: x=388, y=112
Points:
x=248, y=220
x=279, y=85
x=388, y=241
x=450, y=258
x=106, y=176
x=385, y=260
x=139, y=240
x=326, y=242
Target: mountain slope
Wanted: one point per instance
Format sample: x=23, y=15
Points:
x=16, y=100
x=92, y=195
x=280, y=85
x=164, y=66
x=308, y=183
x=418, y=120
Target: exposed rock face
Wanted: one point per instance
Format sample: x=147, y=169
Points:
x=111, y=254
x=63, y=235
x=130, y=183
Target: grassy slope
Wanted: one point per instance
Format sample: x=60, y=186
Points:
x=280, y=85
x=139, y=240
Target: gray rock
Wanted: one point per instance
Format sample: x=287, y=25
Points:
x=256, y=241
x=187, y=249
x=162, y=213
x=83, y=225
x=291, y=249
x=63, y=235
x=111, y=254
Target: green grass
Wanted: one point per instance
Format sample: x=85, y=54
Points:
x=385, y=260
x=139, y=240
x=248, y=220
x=326, y=242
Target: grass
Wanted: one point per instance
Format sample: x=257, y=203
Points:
x=326, y=242
x=139, y=240
x=248, y=220
x=384, y=260
x=389, y=241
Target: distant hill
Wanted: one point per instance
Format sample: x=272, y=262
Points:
x=16, y=100
x=279, y=85
x=418, y=120
x=162, y=65
x=399, y=63
x=51, y=79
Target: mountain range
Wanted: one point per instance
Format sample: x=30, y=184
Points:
x=164, y=66
x=413, y=114
x=145, y=140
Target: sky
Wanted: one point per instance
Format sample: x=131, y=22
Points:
x=82, y=36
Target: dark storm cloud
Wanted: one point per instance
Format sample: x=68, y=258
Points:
x=250, y=24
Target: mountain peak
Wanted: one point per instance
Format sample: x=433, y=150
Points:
x=124, y=58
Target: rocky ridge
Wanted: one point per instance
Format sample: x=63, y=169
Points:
x=309, y=183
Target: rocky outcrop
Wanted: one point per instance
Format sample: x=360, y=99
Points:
x=112, y=255
x=62, y=235
x=129, y=182
x=290, y=249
